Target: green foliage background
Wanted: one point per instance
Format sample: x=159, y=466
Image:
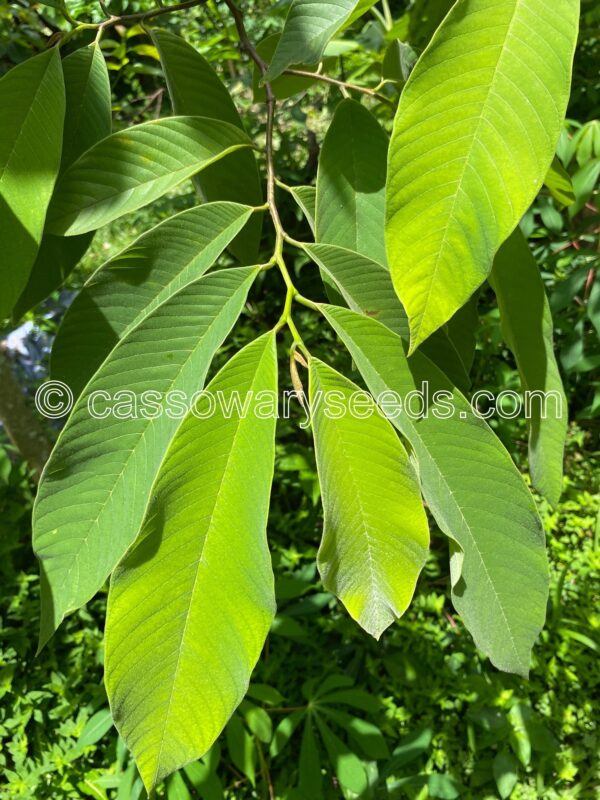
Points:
x=438, y=720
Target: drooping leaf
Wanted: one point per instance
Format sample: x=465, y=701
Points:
x=559, y=182
x=131, y=285
x=309, y=25
x=474, y=135
x=528, y=330
x=375, y=536
x=470, y=483
x=97, y=484
x=351, y=182
x=366, y=287
x=398, y=62
x=178, y=660
x=506, y=773
x=88, y=116
x=131, y=168
x=310, y=778
x=195, y=89
x=32, y=98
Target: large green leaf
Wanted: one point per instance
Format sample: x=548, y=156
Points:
x=527, y=327
x=87, y=120
x=474, y=135
x=195, y=89
x=32, y=99
x=178, y=660
x=351, y=182
x=131, y=168
x=136, y=281
x=96, y=486
x=375, y=536
x=499, y=569
x=366, y=286
x=309, y=25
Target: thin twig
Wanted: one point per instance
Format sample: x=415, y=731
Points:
x=344, y=85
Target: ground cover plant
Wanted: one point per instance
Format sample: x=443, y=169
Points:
x=382, y=250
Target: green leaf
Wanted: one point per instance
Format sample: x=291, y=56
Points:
x=135, y=282
x=469, y=482
x=284, y=732
x=348, y=767
x=366, y=286
x=306, y=197
x=195, y=89
x=351, y=182
x=506, y=773
x=131, y=168
x=242, y=751
x=398, y=61
x=375, y=537
x=309, y=25
x=310, y=778
x=96, y=726
x=88, y=119
x=32, y=98
x=474, y=135
x=284, y=86
x=258, y=721
x=177, y=789
x=178, y=661
x=204, y=780
x=96, y=487
x=559, y=182
x=527, y=328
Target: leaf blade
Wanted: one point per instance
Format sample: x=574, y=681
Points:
x=375, y=536
x=468, y=480
x=213, y=490
x=526, y=322
x=235, y=178
x=103, y=467
x=129, y=169
x=32, y=97
x=479, y=119
x=308, y=27
x=149, y=271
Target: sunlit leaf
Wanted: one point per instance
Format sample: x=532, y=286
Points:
x=474, y=136
x=178, y=661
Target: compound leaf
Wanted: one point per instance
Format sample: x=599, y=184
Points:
x=178, y=661
x=375, y=536
x=309, y=25
x=88, y=119
x=131, y=168
x=351, y=182
x=195, y=89
x=474, y=135
x=527, y=327
x=136, y=281
x=32, y=98
x=472, y=487
x=97, y=484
